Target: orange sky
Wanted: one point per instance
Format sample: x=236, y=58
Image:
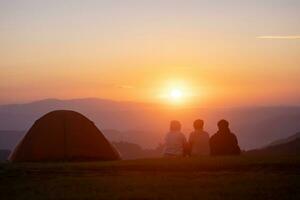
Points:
x=221, y=53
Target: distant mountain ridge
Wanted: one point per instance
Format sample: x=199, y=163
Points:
x=285, y=146
x=146, y=124
x=289, y=148
x=89, y=103
x=285, y=140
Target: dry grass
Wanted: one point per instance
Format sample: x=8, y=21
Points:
x=206, y=178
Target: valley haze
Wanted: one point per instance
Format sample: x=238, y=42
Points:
x=146, y=124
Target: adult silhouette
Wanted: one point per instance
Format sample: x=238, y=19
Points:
x=175, y=141
x=224, y=142
x=199, y=140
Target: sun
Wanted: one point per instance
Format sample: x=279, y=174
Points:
x=175, y=94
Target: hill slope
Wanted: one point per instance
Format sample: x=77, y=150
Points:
x=289, y=148
x=285, y=140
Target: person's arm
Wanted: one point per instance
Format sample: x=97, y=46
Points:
x=211, y=146
x=236, y=145
x=235, y=141
x=166, y=139
x=184, y=141
x=191, y=139
x=185, y=146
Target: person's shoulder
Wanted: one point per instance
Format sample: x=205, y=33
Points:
x=167, y=134
x=192, y=133
x=214, y=136
x=205, y=133
x=232, y=135
x=181, y=134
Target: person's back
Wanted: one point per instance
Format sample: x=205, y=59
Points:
x=224, y=142
x=199, y=140
x=174, y=140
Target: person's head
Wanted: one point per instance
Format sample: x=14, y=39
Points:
x=175, y=125
x=223, y=125
x=198, y=124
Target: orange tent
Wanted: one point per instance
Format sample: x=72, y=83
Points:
x=64, y=136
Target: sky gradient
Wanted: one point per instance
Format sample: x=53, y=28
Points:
x=225, y=53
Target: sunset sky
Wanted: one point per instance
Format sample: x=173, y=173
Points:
x=214, y=52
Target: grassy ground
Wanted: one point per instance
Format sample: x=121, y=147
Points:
x=206, y=178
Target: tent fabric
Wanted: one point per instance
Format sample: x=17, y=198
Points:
x=64, y=136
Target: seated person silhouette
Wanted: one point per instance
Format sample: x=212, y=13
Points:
x=199, y=140
x=224, y=142
x=175, y=141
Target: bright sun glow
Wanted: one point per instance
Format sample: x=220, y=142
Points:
x=176, y=94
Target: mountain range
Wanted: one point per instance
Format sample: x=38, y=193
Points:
x=285, y=140
x=146, y=124
x=280, y=149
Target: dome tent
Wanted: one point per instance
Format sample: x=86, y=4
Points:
x=64, y=135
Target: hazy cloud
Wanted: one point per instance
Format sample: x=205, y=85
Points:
x=281, y=37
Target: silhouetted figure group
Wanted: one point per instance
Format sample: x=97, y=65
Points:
x=224, y=142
